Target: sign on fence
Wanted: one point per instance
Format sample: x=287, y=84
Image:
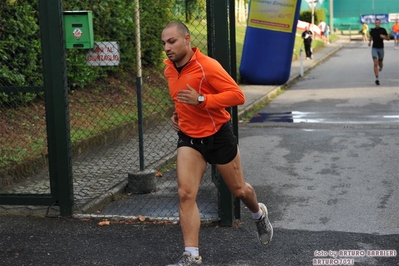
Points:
x=103, y=54
x=370, y=18
x=393, y=17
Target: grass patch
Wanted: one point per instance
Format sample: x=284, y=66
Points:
x=240, y=36
x=94, y=110
x=168, y=167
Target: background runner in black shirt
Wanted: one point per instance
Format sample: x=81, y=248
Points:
x=377, y=36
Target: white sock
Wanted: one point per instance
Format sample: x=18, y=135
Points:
x=193, y=250
x=257, y=215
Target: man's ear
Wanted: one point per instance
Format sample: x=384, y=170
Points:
x=187, y=39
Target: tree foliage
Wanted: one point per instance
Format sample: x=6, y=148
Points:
x=113, y=20
x=20, y=60
x=191, y=9
x=319, y=15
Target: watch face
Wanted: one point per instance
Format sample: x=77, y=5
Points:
x=201, y=98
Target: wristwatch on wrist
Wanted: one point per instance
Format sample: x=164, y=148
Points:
x=201, y=98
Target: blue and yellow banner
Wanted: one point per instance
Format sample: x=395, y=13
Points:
x=277, y=15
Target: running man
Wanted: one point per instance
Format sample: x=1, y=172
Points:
x=377, y=36
x=201, y=90
x=395, y=32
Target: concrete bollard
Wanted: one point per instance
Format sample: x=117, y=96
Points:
x=142, y=182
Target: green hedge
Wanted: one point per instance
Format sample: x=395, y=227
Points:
x=319, y=15
x=20, y=61
x=113, y=20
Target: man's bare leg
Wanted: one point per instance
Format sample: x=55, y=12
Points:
x=190, y=170
x=375, y=60
x=234, y=178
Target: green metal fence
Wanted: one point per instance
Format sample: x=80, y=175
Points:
x=77, y=124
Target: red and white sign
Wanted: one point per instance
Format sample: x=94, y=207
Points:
x=77, y=33
x=103, y=54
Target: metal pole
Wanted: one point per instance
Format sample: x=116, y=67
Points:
x=331, y=16
x=139, y=84
x=233, y=69
x=350, y=32
x=218, y=40
x=312, y=13
x=301, y=61
x=312, y=20
x=57, y=113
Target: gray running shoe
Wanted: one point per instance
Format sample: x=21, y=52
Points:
x=265, y=228
x=186, y=259
x=380, y=68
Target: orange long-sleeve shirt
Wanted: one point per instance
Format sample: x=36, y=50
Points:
x=208, y=78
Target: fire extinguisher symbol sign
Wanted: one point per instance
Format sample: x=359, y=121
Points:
x=77, y=33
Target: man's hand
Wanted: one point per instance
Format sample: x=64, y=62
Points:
x=175, y=124
x=189, y=96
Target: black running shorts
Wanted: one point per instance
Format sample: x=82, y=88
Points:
x=220, y=148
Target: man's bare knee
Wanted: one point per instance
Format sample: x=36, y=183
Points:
x=185, y=195
x=239, y=193
x=242, y=192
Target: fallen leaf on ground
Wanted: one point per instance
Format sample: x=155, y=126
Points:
x=104, y=223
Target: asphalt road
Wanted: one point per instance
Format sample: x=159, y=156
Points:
x=324, y=154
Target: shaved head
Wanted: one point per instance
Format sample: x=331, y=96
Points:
x=181, y=28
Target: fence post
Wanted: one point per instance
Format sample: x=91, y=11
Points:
x=57, y=111
x=139, y=82
x=219, y=48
